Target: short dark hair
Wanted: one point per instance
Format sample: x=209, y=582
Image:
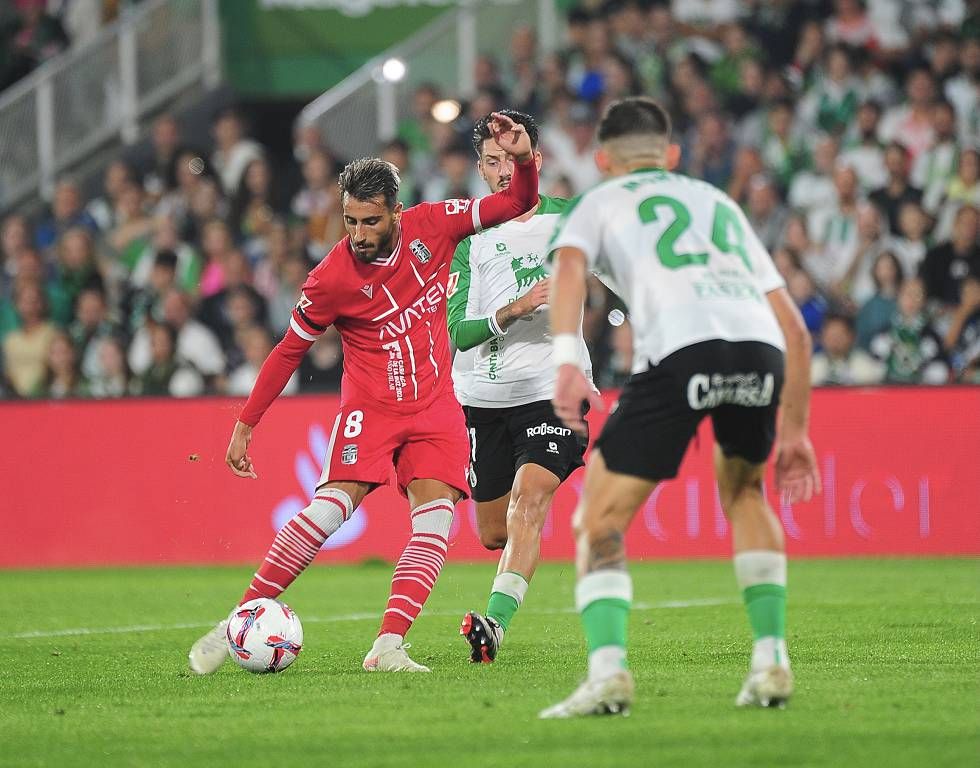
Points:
x=370, y=177
x=635, y=116
x=481, y=131
x=837, y=315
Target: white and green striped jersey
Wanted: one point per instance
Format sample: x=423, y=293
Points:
x=495, y=368
x=681, y=255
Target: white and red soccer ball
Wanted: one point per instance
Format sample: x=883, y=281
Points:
x=264, y=635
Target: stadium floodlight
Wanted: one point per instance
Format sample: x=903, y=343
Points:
x=393, y=70
x=446, y=110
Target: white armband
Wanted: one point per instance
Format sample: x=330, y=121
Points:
x=566, y=348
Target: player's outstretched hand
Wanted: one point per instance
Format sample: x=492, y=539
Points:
x=797, y=478
x=511, y=136
x=534, y=298
x=237, y=458
x=572, y=389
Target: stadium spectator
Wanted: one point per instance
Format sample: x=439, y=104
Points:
x=234, y=307
x=165, y=237
x=898, y=190
x=256, y=344
x=875, y=315
x=111, y=377
x=90, y=325
x=66, y=212
x=133, y=226
x=839, y=361
x=765, y=213
x=911, y=123
x=910, y=348
x=103, y=210
x=708, y=152
x=233, y=152
x=963, y=335
x=317, y=204
x=456, y=177
x=196, y=345
x=76, y=270
x=838, y=236
x=15, y=235
x=570, y=153
x=862, y=150
x=25, y=349
x=396, y=152
x=323, y=366
x=811, y=304
x=417, y=130
x=964, y=189
x=812, y=190
x=910, y=243
x=850, y=24
x=961, y=91
x=190, y=173
x=831, y=103
x=256, y=204
x=146, y=302
x=936, y=166
x=946, y=266
x=160, y=174
x=165, y=374
x=62, y=377
x=217, y=244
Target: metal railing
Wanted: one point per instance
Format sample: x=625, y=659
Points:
x=99, y=92
x=362, y=111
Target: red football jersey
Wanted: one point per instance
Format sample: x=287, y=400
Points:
x=391, y=313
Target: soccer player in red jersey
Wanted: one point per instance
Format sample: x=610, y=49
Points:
x=384, y=288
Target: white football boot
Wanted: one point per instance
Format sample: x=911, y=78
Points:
x=388, y=654
x=769, y=687
x=609, y=696
x=210, y=651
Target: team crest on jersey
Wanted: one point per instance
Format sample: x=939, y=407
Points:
x=349, y=454
x=420, y=251
x=528, y=270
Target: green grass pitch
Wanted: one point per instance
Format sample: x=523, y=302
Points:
x=885, y=654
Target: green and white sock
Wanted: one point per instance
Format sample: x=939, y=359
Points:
x=506, y=597
x=603, y=600
x=761, y=575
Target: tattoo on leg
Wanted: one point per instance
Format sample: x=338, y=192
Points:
x=607, y=553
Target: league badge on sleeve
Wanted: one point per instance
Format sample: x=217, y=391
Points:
x=420, y=251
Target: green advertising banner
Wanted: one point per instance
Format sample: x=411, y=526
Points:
x=299, y=48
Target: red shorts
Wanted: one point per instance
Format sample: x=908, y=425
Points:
x=367, y=441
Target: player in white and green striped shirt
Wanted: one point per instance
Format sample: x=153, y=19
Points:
x=520, y=451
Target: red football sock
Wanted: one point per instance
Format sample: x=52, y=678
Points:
x=419, y=566
x=298, y=542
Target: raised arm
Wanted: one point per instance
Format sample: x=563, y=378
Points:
x=517, y=199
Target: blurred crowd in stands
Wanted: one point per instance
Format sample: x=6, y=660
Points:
x=848, y=131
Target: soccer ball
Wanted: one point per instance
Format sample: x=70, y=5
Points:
x=264, y=635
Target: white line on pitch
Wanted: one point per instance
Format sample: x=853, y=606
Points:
x=79, y=631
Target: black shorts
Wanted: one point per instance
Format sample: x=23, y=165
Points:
x=736, y=382
x=502, y=440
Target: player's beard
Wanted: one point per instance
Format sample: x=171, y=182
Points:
x=381, y=251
